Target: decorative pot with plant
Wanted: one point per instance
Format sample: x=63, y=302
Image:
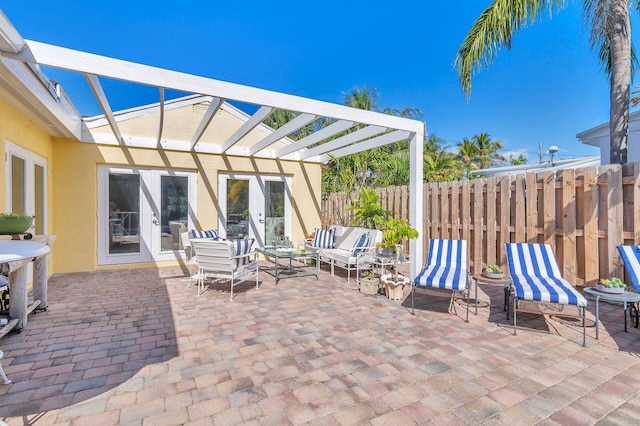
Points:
x=368, y=283
x=611, y=285
x=492, y=271
x=14, y=223
x=395, y=232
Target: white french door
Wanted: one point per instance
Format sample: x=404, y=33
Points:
x=141, y=213
x=254, y=206
x=26, y=185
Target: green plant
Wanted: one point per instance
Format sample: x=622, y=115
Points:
x=395, y=231
x=612, y=283
x=15, y=216
x=367, y=210
x=493, y=269
x=368, y=274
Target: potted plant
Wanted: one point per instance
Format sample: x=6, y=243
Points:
x=395, y=232
x=14, y=223
x=492, y=271
x=368, y=283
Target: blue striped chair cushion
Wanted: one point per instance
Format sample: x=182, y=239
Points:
x=446, y=266
x=536, y=276
x=196, y=233
x=361, y=243
x=323, y=238
x=631, y=257
x=240, y=247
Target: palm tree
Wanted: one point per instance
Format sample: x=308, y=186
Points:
x=610, y=37
x=487, y=148
x=468, y=155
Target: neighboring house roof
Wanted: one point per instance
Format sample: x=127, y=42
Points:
x=572, y=163
x=596, y=135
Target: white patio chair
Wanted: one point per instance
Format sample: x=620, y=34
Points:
x=234, y=261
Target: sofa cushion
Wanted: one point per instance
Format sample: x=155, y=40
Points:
x=240, y=247
x=323, y=238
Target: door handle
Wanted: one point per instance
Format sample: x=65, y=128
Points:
x=261, y=220
x=155, y=220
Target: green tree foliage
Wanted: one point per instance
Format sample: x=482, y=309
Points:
x=520, y=160
x=610, y=37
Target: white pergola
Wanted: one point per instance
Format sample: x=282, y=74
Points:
x=20, y=62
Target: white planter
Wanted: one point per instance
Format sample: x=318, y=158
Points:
x=369, y=286
x=394, y=286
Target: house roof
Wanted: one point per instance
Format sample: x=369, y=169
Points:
x=571, y=163
x=598, y=134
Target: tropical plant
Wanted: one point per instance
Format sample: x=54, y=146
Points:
x=487, y=148
x=15, y=216
x=468, y=155
x=367, y=210
x=396, y=230
x=610, y=37
x=517, y=161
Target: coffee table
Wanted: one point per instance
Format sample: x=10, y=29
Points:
x=625, y=298
x=289, y=271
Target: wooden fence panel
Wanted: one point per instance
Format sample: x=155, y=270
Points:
x=584, y=214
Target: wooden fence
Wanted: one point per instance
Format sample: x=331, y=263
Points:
x=583, y=214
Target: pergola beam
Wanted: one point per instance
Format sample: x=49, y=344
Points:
x=382, y=140
x=161, y=121
x=214, y=106
x=96, y=88
x=284, y=130
x=249, y=125
x=69, y=59
x=347, y=139
x=315, y=137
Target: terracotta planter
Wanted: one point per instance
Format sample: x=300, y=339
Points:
x=369, y=286
x=394, y=286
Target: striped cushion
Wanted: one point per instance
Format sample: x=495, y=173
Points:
x=323, y=238
x=196, y=233
x=240, y=247
x=631, y=257
x=536, y=276
x=446, y=266
x=362, y=242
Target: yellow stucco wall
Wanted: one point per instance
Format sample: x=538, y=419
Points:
x=76, y=192
x=15, y=128
x=72, y=184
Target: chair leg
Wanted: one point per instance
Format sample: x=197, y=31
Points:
x=5, y=379
x=413, y=289
x=584, y=326
x=515, y=309
x=468, y=292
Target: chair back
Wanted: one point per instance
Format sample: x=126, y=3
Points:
x=535, y=260
x=631, y=258
x=213, y=256
x=448, y=252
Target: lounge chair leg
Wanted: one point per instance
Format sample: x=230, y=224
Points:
x=469, y=291
x=584, y=326
x=413, y=289
x=5, y=379
x=515, y=307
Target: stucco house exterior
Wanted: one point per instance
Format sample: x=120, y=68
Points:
x=599, y=137
x=116, y=189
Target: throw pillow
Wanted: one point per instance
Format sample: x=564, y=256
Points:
x=240, y=247
x=360, y=244
x=323, y=238
x=196, y=233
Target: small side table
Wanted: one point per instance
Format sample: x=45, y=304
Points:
x=504, y=282
x=626, y=297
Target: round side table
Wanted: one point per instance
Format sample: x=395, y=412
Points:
x=625, y=297
x=504, y=282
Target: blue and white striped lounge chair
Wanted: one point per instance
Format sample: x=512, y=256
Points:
x=446, y=269
x=535, y=276
x=631, y=258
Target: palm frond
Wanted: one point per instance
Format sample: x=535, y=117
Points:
x=492, y=30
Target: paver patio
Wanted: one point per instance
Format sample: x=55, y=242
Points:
x=136, y=347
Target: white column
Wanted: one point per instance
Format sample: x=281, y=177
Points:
x=416, y=146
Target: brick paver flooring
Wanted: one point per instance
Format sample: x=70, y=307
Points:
x=135, y=347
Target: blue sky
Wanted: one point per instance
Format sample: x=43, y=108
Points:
x=547, y=89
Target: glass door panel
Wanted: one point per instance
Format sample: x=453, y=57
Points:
x=124, y=213
x=18, y=184
x=174, y=210
x=274, y=223
x=39, y=189
x=237, y=213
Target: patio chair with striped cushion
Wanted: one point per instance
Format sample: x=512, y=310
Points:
x=446, y=269
x=535, y=277
x=631, y=258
